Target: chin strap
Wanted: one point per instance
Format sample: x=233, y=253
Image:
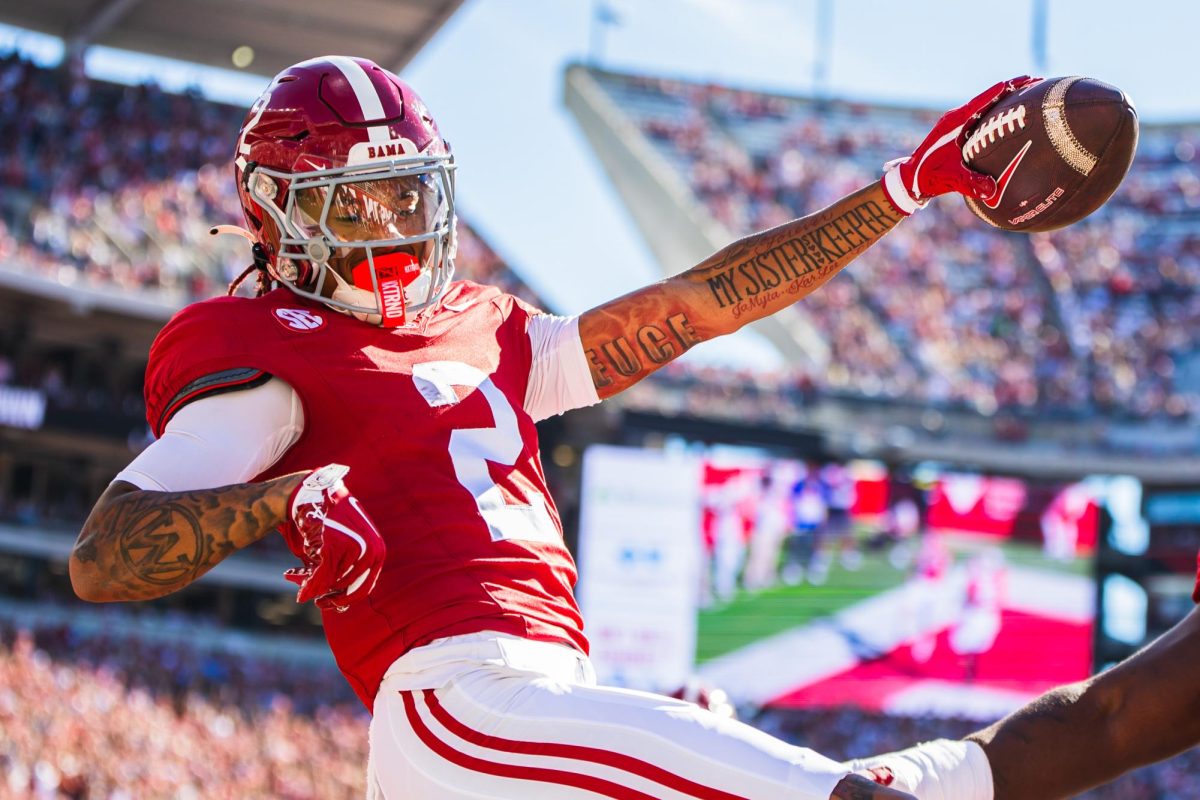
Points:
x=353, y=296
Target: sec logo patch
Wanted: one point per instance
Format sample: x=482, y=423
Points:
x=299, y=319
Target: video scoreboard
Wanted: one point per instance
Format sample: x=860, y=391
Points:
x=1146, y=563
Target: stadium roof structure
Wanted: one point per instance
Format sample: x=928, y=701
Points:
x=281, y=32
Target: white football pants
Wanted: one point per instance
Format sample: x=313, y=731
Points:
x=493, y=716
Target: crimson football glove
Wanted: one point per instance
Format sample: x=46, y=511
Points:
x=342, y=550
x=936, y=167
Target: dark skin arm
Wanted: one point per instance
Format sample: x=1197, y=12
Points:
x=138, y=545
x=630, y=337
x=1143, y=710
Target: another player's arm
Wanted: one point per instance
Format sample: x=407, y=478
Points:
x=1143, y=710
x=858, y=787
x=138, y=545
x=630, y=337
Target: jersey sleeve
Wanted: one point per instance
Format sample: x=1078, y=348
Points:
x=220, y=440
x=559, y=377
x=206, y=349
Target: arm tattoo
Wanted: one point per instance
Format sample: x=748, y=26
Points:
x=142, y=545
x=618, y=353
x=793, y=260
x=756, y=276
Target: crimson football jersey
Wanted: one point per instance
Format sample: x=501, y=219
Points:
x=442, y=455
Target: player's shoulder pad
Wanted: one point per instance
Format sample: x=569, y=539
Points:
x=207, y=328
x=463, y=291
x=208, y=347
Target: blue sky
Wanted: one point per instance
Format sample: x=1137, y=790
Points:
x=493, y=78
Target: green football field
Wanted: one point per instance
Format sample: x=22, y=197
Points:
x=753, y=616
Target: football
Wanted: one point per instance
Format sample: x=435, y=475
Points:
x=1057, y=149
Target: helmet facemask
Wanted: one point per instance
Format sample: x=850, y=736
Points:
x=375, y=240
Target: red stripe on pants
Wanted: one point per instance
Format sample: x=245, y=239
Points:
x=595, y=755
x=539, y=774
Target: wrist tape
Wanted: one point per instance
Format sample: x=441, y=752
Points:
x=939, y=770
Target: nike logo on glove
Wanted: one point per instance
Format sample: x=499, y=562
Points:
x=993, y=202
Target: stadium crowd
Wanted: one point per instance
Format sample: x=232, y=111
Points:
x=85, y=206
x=125, y=721
x=91, y=716
x=945, y=310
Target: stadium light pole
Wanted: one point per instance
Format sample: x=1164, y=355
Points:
x=823, y=48
x=604, y=16
x=97, y=21
x=1038, y=36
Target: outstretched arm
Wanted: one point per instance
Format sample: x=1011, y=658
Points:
x=630, y=337
x=137, y=545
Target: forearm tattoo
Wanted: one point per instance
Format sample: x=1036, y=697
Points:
x=631, y=337
x=792, y=260
x=147, y=544
x=622, y=354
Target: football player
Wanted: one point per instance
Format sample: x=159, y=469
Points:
x=381, y=416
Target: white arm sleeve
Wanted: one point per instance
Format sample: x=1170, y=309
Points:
x=559, y=379
x=219, y=440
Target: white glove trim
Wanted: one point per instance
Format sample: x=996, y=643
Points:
x=897, y=192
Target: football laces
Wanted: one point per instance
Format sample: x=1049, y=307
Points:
x=992, y=129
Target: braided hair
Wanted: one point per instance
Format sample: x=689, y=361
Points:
x=263, y=281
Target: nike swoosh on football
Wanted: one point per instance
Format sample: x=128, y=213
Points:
x=1006, y=176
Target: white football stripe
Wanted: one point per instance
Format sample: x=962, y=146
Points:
x=364, y=91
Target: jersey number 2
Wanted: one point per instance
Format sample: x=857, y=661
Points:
x=472, y=448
